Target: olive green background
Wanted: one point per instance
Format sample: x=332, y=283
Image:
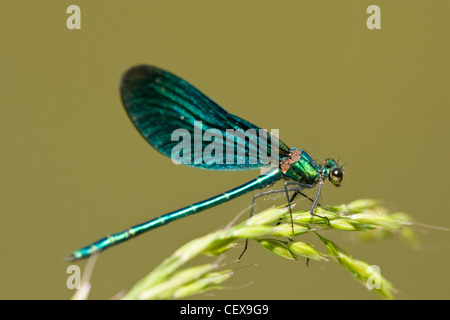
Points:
x=74, y=169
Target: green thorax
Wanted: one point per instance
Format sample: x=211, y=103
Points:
x=300, y=167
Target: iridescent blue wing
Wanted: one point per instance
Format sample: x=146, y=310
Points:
x=164, y=108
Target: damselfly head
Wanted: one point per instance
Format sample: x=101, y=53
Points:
x=333, y=171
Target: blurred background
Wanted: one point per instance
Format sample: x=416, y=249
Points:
x=73, y=168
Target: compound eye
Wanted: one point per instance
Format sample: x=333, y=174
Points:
x=336, y=176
